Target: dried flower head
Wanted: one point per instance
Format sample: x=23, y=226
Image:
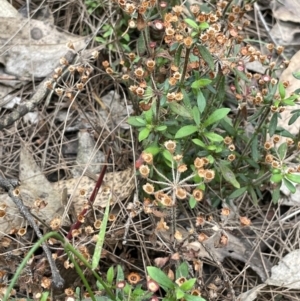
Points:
x=152, y=286
x=182, y=168
x=55, y=223
x=188, y=42
x=147, y=157
x=170, y=146
x=22, y=231
x=181, y=193
x=225, y=211
x=133, y=278
x=199, y=163
x=139, y=72
x=150, y=65
x=148, y=188
x=198, y=194
x=276, y=139
x=245, y=221
x=289, y=141
x=269, y=158
x=144, y=171
x=202, y=237
x=97, y=224
x=268, y=145
x=231, y=157
x=209, y=175
x=46, y=282
x=231, y=147
x=227, y=140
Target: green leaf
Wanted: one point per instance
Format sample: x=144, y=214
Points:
x=216, y=116
x=203, y=25
x=191, y=23
x=254, y=149
x=177, y=57
x=110, y=275
x=241, y=75
x=273, y=124
x=188, y=285
x=282, y=149
x=293, y=177
x=179, y=109
x=228, y=174
x=167, y=155
x=253, y=195
x=201, y=101
x=276, y=178
x=160, y=277
x=152, y=149
x=136, y=121
x=237, y=193
x=185, y=131
x=120, y=274
x=276, y=195
x=281, y=90
x=200, y=83
x=296, y=74
x=148, y=116
x=196, y=115
x=182, y=270
x=294, y=117
x=213, y=137
x=199, y=142
x=192, y=202
x=207, y=57
x=179, y=294
x=188, y=297
x=161, y=128
x=143, y=134
x=289, y=185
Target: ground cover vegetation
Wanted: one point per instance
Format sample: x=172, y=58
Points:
x=209, y=156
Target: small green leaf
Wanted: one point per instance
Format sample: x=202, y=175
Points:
x=253, y=195
x=273, y=124
x=179, y=109
x=192, y=202
x=295, y=178
x=296, y=74
x=185, y=131
x=143, y=134
x=282, y=149
x=281, y=90
x=188, y=285
x=276, y=178
x=191, y=23
x=199, y=142
x=179, y=294
x=200, y=83
x=203, y=25
x=254, y=149
x=228, y=174
x=201, y=101
x=237, y=193
x=167, y=155
x=160, y=277
x=216, y=116
x=213, y=137
x=276, y=195
x=152, y=149
x=148, y=116
x=289, y=185
x=295, y=116
x=196, y=115
x=161, y=128
x=110, y=275
x=207, y=57
x=182, y=270
x=120, y=274
x=136, y=121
